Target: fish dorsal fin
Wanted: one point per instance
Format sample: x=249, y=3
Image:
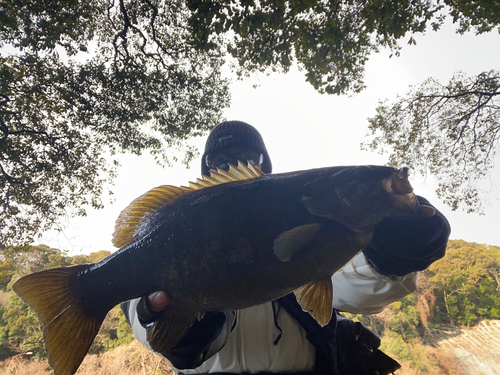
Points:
x=134, y=220
x=316, y=298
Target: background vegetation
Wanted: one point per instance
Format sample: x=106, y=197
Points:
x=461, y=289
x=20, y=331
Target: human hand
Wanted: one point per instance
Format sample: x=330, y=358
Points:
x=157, y=301
x=400, y=247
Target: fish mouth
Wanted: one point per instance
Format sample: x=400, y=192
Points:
x=400, y=190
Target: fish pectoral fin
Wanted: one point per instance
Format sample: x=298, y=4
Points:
x=288, y=243
x=68, y=327
x=170, y=327
x=316, y=298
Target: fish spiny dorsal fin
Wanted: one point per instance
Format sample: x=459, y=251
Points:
x=239, y=173
x=133, y=221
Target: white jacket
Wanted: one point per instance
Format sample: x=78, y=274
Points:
x=357, y=288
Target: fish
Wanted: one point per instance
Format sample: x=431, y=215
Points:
x=228, y=241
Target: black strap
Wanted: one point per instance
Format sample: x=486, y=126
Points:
x=276, y=324
x=357, y=350
x=343, y=347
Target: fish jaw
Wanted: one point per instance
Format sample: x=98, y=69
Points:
x=361, y=197
x=400, y=191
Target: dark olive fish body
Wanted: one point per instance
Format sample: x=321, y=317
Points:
x=223, y=247
x=208, y=231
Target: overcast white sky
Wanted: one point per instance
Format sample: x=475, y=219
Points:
x=303, y=130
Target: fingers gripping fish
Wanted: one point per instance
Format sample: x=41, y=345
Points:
x=226, y=242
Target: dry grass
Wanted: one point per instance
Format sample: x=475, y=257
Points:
x=131, y=359
x=134, y=359
x=22, y=366
x=447, y=361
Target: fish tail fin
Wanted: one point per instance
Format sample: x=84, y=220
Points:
x=68, y=327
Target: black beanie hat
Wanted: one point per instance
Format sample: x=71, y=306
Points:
x=235, y=134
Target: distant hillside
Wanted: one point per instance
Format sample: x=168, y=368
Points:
x=466, y=351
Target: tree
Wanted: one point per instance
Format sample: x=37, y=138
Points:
x=83, y=81
x=20, y=330
x=452, y=130
x=331, y=40
x=466, y=283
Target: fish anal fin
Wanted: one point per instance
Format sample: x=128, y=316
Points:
x=290, y=242
x=133, y=221
x=68, y=330
x=170, y=327
x=316, y=298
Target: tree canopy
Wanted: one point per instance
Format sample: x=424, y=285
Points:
x=451, y=131
x=82, y=81
x=87, y=80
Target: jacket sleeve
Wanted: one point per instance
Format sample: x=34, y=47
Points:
x=205, y=338
x=400, y=247
x=387, y=270
x=359, y=289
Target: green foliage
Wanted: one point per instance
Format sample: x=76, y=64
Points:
x=22, y=260
x=480, y=15
x=452, y=130
x=43, y=25
x=83, y=81
x=462, y=288
x=22, y=332
x=115, y=331
x=19, y=327
x=467, y=283
x=330, y=40
x=397, y=347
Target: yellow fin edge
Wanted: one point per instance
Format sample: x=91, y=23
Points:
x=68, y=330
x=316, y=298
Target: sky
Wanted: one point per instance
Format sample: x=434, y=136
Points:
x=303, y=129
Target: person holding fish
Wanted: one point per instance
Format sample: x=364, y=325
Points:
x=233, y=273
x=278, y=336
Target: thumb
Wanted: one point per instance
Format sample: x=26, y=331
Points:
x=157, y=301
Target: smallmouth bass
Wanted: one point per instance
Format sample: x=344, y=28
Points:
x=227, y=242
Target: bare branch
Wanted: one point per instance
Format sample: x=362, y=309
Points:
x=452, y=131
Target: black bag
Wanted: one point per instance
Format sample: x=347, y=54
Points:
x=343, y=347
